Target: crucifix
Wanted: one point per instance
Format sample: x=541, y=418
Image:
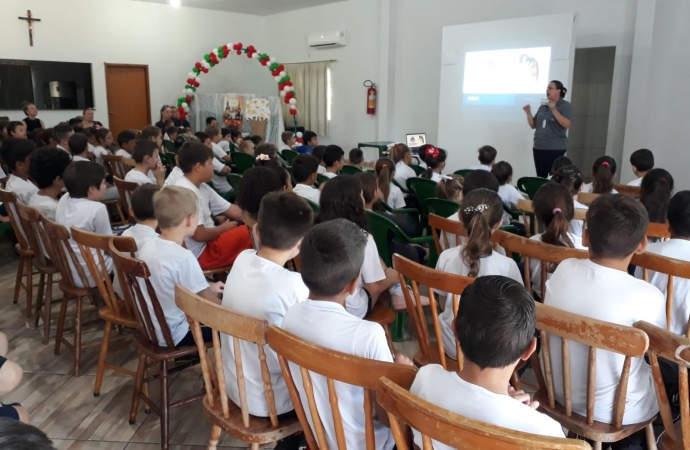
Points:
x=30, y=21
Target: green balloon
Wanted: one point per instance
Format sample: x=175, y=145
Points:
x=180, y=101
x=284, y=79
x=212, y=64
x=196, y=70
x=207, y=57
x=274, y=66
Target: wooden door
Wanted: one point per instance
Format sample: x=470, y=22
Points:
x=129, y=104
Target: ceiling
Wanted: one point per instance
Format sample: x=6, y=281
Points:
x=256, y=7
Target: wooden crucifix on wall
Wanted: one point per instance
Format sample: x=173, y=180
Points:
x=30, y=21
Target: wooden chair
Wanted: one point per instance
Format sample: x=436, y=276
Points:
x=675, y=349
x=405, y=409
x=117, y=167
x=526, y=209
x=658, y=230
x=434, y=280
x=632, y=191
x=134, y=276
x=64, y=257
x=442, y=229
x=116, y=311
x=334, y=366
x=40, y=245
x=125, y=189
x=24, y=278
x=224, y=414
x=598, y=336
x=128, y=164
x=587, y=198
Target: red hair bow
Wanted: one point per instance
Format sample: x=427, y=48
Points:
x=432, y=151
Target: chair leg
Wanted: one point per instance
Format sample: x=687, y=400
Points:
x=651, y=439
x=18, y=280
x=102, y=357
x=387, y=330
x=39, y=294
x=255, y=447
x=165, y=405
x=48, y=310
x=61, y=323
x=597, y=445
x=138, y=382
x=29, y=286
x=77, y=336
x=215, y=436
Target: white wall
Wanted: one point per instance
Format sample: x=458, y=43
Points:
x=168, y=40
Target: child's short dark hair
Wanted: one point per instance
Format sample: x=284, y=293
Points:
x=202, y=136
x=172, y=130
x=61, y=132
x=142, y=149
x=12, y=126
x=331, y=255
x=213, y=130
x=561, y=161
x=308, y=136
x=75, y=121
x=191, y=154
x=570, y=177
x=234, y=134
x=318, y=151
x=304, y=166
x=487, y=154
x=125, y=137
x=256, y=183
x=47, y=135
x=332, y=154
x=16, y=150
x=225, y=131
x=616, y=224
x=642, y=160
x=495, y=325
x=356, y=156
x=78, y=143
x=209, y=120
x=47, y=164
x=502, y=171
x=82, y=175
x=479, y=179
x=369, y=185
x=182, y=139
x=283, y=220
x=679, y=214
x=150, y=131
x=142, y=201
x=286, y=136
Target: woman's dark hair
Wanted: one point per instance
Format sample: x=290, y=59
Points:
x=256, y=183
x=434, y=157
x=398, y=152
x=341, y=198
x=655, y=194
x=385, y=168
x=553, y=206
x=570, y=177
x=603, y=170
x=481, y=209
x=560, y=87
x=502, y=170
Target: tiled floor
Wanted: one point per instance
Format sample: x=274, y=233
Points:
x=63, y=406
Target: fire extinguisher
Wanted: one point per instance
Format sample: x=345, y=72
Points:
x=371, y=96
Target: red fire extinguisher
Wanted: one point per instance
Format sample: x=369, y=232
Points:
x=371, y=96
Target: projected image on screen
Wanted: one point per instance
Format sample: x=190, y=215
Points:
x=505, y=77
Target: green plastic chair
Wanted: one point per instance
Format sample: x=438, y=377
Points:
x=530, y=185
x=513, y=213
x=351, y=170
x=169, y=146
x=402, y=188
x=314, y=207
x=463, y=172
x=423, y=188
x=234, y=180
x=418, y=169
x=321, y=179
x=243, y=161
x=289, y=155
x=441, y=207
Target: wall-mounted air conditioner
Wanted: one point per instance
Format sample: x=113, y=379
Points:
x=327, y=39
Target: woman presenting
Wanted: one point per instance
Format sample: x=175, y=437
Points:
x=551, y=122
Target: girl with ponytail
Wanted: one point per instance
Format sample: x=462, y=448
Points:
x=482, y=214
x=385, y=172
x=570, y=177
x=435, y=159
x=402, y=157
x=603, y=173
x=553, y=206
x=656, y=190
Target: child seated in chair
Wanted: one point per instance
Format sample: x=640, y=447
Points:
x=332, y=254
x=127, y=139
x=220, y=170
x=304, y=169
x=356, y=158
x=47, y=168
x=288, y=140
x=334, y=160
x=600, y=288
x=141, y=208
x=487, y=157
x=16, y=153
x=148, y=167
x=495, y=330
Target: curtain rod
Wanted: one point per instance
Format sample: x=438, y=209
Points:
x=313, y=62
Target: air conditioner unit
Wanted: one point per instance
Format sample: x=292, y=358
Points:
x=327, y=39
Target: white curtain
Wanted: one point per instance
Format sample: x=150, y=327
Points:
x=310, y=83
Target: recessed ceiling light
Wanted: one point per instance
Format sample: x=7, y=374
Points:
x=175, y=3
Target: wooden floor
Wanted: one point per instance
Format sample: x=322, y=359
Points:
x=63, y=406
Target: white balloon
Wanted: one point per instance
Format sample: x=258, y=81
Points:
x=299, y=134
x=282, y=94
x=282, y=73
x=270, y=61
x=230, y=44
x=276, y=78
x=255, y=55
x=185, y=105
x=293, y=101
x=207, y=65
x=191, y=75
x=289, y=88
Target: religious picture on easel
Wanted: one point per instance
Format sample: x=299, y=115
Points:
x=232, y=110
x=258, y=111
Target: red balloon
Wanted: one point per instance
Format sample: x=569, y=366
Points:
x=204, y=69
x=251, y=49
x=288, y=83
x=180, y=109
x=195, y=83
x=281, y=86
x=239, y=52
x=275, y=73
x=239, y=46
x=226, y=52
x=198, y=65
x=287, y=99
x=281, y=68
x=264, y=62
x=293, y=112
x=289, y=95
x=190, y=80
x=250, y=54
x=188, y=99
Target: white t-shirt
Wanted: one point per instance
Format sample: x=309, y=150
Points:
x=45, y=205
x=451, y=261
x=134, y=176
x=321, y=169
x=77, y=158
x=330, y=174
x=680, y=307
x=218, y=151
x=358, y=303
x=23, y=189
x=225, y=146
x=535, y=264
x=587, y=188
x=265, y=290
x=436, y=177
x=328, y=324
x=309, y=192
x=576, y=226
x=448, y=391
x=403, y=172
x=89, y=216
x=2, y=173
x=220, y=183
x=99, y=151
x=210, y=204
x=173, y=176
x=588, y=289
x=169, y=265
x=141, y=235
x=65, y=150
x=123, y=153
x=480, y=167
x=510, y=195
x=636, y=182
x=396, y=199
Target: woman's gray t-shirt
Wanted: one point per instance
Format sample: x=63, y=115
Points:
x=549, y=134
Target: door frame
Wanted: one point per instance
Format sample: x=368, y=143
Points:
x=148, y=90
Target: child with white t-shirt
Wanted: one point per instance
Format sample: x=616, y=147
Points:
x=61, y=135
x=46, y=169
x=435, y=159
x=553, y=207
x=503, y=172
x=264, y=289
x=571, y=178
x=487, y=157
x=288, y=140
x=304, y=169
x=148, y=168
x=170, y=263
x=331, y=255
x=481, y=213
x=141, y=208
x=600, y=288
x=220, y=183
x=16, y=153
x=126, y=140
x=402, y=157
x=216, y=136
x=79, y=147
x=603, y=173
x=450, y=188
x=392, y=194
x=642, y=161
x=495, y=329
x=334, y=160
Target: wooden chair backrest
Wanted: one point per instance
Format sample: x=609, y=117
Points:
x=588, y=197
x=668, y=266
x=90, y=243
x=30, y=220
x=658, y=230
x=334, y=366
x=132, y=274
x=239, y=327
x=116, y=165
x=129, y=163
x=597, y=335
x=525, y=205
x=441, y=228
x=632, y=191
x=10, y=201
x=453, y=429
x=676, y=349
x=63, y=255
x=434, y=280
x=531, y=248
x=125, y=189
